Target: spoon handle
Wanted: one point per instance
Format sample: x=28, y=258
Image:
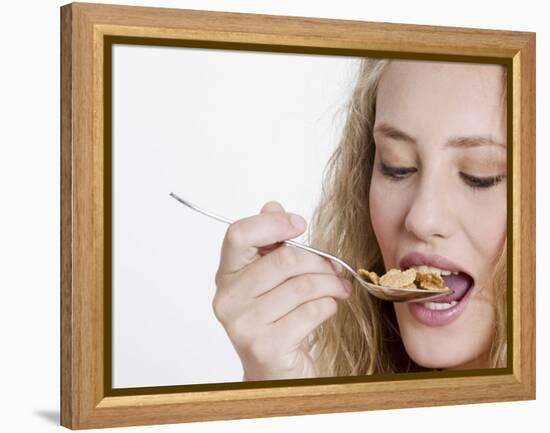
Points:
x=287, y=242
x=200, y=210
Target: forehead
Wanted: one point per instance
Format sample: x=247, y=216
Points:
x=459, y=98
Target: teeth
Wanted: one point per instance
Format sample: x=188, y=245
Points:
x=439, y=305
x=443, y=272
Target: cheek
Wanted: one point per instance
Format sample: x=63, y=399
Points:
x=487, y=228
x=383, y=216
x=387, y=210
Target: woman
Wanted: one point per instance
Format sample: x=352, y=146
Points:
x=417, y=179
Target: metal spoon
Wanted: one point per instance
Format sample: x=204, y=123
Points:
x=386, y=293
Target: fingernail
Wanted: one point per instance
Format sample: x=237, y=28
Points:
x=336, y=266
x=348, y=286
x=297, y=221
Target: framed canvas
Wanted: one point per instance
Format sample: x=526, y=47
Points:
x=398, y=146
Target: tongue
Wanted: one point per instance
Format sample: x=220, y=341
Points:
x=459, y=284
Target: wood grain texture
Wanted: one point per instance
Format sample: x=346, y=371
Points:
x=68, y=391
x=525, y=108
x=84, y=403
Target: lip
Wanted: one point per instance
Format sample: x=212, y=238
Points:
x=415, y=258
x=439, y=317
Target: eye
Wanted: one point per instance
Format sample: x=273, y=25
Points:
x=395, y=173
x=479, y=183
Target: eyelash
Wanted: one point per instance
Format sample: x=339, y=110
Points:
x=395, y=174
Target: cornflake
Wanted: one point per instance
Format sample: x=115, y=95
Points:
x=408, y=279
x=397, y=278
x=369, y=277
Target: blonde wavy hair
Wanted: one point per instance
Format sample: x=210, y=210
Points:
x=363, y=337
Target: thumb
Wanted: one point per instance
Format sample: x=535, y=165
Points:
x=272, y=207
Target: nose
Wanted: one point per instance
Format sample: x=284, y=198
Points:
x=429, y=213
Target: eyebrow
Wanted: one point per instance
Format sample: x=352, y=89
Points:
x=460, y=142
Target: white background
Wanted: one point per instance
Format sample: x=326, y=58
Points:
x=228, y=131
x=29, y=224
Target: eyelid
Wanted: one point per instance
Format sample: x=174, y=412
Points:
x=405, y=170
x=484, y=178
x=476, y=183
x=402, y=170
x=489, y=180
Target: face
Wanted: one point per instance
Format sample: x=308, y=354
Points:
x=439, y=189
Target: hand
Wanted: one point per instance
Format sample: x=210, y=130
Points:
x=270, y=297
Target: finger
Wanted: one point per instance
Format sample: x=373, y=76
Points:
x=270, y=207
x=293, y=328
x=283, y=263
x=296, y=291
x=244, y=237
x=274, y=206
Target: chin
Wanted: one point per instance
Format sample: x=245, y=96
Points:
x=462, y=344
x=447, y=359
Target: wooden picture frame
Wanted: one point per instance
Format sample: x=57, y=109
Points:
x=87, y=33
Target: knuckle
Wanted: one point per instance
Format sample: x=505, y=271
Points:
x=308, y=286
x=305, y=287
x=286, y=257
x=219, y=306
x=311, y=309
x=234, y=234
x=322, y=307
x=330, y=306
x=339, y=284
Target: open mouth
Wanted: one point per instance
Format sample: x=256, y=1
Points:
x=458, y=281
x=444, y=309
x=460, y=284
